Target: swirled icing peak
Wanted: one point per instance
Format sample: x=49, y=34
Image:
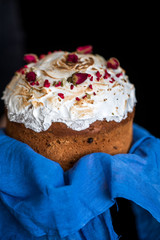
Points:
x=75, y=88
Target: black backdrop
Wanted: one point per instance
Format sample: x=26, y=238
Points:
x=128, y=32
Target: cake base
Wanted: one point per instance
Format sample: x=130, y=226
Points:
x=65, y=146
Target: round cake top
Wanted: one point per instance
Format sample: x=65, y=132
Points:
x=75, y=88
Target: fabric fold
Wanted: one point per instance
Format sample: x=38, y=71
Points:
x=40, y=200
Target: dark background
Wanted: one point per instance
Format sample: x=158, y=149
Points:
x=128, y=32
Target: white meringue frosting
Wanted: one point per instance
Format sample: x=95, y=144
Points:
x=99, y=97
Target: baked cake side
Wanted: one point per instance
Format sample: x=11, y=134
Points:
x=66, y=146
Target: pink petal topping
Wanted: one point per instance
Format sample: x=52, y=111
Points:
x=90, y=86
x=77, y=99
x=30, y=58
x=79, y=78
x=22, y=69
x=84, y=49
x=113, y=63
x=84, y=96
x=58, y=84
x=72, y=58
x=42, y=56
x=47, y=83
x=112, y=80
x=98, y=75
x=106, y=75
x=61, y=95
x=119, y=74
x=31, y=76
x=72, y=86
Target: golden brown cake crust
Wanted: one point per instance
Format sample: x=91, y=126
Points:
x=66, y=146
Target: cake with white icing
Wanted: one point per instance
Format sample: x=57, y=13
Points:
x=72, y=103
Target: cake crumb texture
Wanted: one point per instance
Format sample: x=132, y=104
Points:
x=67, y=146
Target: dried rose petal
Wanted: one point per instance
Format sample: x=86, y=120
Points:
x=72, y=58
x=46, y=83
x=113, y=63
x=90, y=86
x=30, y=58
x=37, y=83
x=77, y=99
x=112, y=80
x=58, y=84
x=106, y=75
x=84, y=96
x=32, y=83
x=61, y=95
x=91, y=78
x=119, y=74
x=81, y=77
x=22, y=69
x=78, y=78
x=31, y=76
x=42, y=56
x=84, y=49
x=98, y=75
x=72, y=86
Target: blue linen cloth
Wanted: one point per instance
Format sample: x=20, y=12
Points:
x=38, y=200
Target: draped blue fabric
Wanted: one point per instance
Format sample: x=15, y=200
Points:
x=38, y=200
